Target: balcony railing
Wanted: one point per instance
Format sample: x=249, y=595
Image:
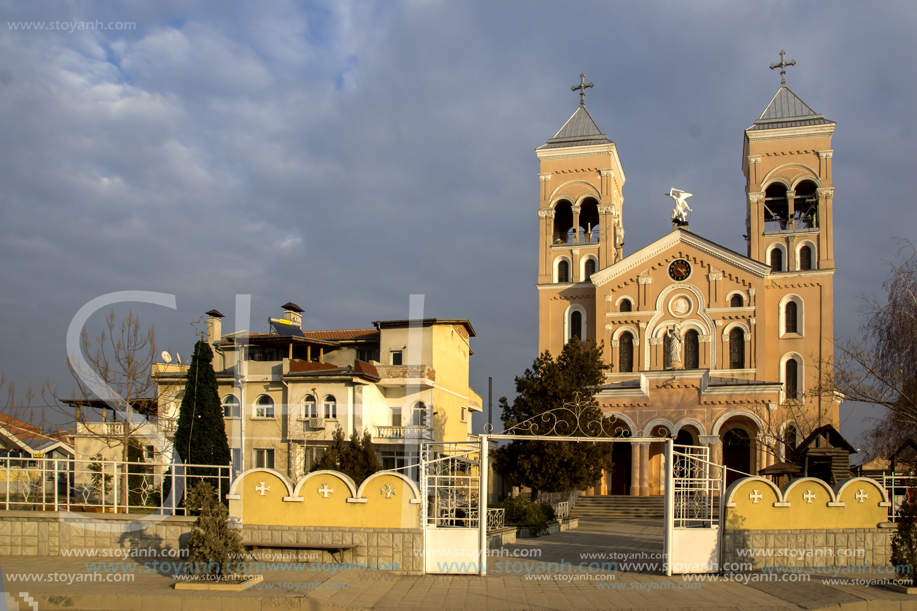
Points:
x=572, y=237
x=401, y=432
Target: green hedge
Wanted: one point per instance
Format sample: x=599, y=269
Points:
x=520, y=512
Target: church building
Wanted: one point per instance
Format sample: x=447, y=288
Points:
x=704, y=344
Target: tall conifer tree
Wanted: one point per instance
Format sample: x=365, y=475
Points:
x=200, y=438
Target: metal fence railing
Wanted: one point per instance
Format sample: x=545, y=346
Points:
x=102, y=486
x=896, y=487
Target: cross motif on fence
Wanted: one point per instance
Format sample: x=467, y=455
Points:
x=262, y=488
x=388, y=491
x=861, y=496
x=755, y=496
x=325, y=491
x=809, y=496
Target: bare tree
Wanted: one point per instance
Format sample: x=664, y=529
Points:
x=20, y=415
x=113, y=374
x=880, y=368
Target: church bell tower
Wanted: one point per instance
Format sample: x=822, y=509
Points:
x=580, y=225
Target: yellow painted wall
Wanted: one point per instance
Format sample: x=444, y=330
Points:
x=383, y=501
x=754, y=503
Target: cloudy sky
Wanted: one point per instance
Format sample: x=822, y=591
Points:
x=344, y=155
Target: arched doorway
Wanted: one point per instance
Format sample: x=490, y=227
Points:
x=736, y=453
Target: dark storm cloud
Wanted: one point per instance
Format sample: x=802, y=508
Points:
x=346, y=155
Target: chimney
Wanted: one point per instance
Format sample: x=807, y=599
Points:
x=293, y=313
x=214, y=326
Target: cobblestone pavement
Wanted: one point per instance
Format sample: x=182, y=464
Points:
x=520, y=585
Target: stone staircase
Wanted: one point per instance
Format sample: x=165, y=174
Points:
x=619, y=507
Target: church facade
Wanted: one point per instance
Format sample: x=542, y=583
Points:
x=712, y=347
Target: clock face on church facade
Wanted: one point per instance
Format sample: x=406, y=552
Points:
x=679, y=270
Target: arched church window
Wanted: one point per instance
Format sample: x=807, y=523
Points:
x=805, y=205
x=776, y=260
x=589, y=268
x=776, y=208
x=805, y=258
x=737, y=349
x=563, y=221
x=667, y=352
x=563, y=271
x=576, y=324
x=736, y=301
x=626, y=351
x=625, y=306
x=791, y=379
x=692, y=350
x=790, y=317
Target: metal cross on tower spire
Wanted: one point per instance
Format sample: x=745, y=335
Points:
x=782, y=65
x=583, y=85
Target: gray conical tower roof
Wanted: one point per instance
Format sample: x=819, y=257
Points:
x=579, y=130
x=787, y=110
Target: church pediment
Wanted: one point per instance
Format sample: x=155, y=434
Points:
x=634, y=263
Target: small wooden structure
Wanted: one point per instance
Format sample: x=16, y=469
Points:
x=825, y=454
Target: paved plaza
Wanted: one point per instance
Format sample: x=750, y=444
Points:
x=522, y=586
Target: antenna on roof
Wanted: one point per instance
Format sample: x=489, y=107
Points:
x=178, y=358
x=166, y=357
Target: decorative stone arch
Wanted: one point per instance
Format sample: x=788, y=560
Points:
x=800, y=374
x=622, y=299
x=651, y=327
x=814, y=250
x=853, y=481
x=582, y=265
x=781, y=432
x=234, y=488
x=351, y=486
x=568, y=314
x=556, y=264
x=649, y=426
x=736, y=324
x=563, y=192
x=616, y=336
x=731, y=491
x=782, y=248
x=625, y=420
x=741, y=294
x=810, y=481
x=718, y=424
x=811, y=177
x=790, y=175
x=409, y=483
x=800, y=314
x=701, y=429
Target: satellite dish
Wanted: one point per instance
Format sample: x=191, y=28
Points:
x=178, y=358
x=166, y=357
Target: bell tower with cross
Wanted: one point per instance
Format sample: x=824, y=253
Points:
x=580, y=224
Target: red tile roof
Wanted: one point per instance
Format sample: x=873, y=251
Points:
x=343, y=334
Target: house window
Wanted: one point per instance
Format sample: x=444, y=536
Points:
x=264, y=459
x=231, y=407
x=310, y=407
x=791, y=379
x=367, y=354
x=625, y=306
x=626, y=351
x=464, y=414
x=789, y=442
x=396, y=416
x=331, y=407
x=790, y=317
x=805, y=258
x=419, y=414
x=264, y=407
x=736, y=301
x=236, y=460
x=396, y=357
x=148, y=452
x=692, y=350
x=589, y=269
x=776, y=260
x=563, y=271
x=737, y=349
